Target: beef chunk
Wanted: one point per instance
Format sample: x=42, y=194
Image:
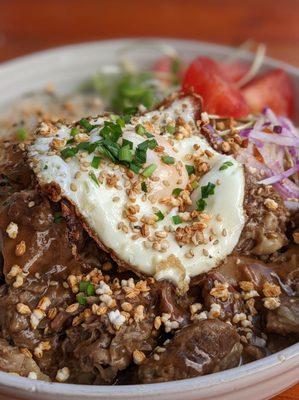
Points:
x=265, y=227
x=14, y=361
x=198, y=349
x=285, y=319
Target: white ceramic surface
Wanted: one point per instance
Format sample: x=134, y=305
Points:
x=65, y=67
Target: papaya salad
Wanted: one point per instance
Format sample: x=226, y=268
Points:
x=149, y=223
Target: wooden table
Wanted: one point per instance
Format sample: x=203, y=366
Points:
x=32, y=25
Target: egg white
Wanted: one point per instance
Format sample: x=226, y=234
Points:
x=95, y=204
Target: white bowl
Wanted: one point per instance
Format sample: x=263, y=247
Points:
x=65, y=67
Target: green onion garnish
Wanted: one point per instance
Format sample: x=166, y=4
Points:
x=194, y=185
x=125, y=153
x=90, y=290
x=74, y=132
x=170, y=128
x=135, y=167
x=21, y=134
x=81, y=299
x=168, y=159
x=226, y=165
x=95, y=162
x=83, y=286
x=86, y=125
x=160, y=215
x=93, y=178
x=176, y=192
x=140, y=129
x=201, y=205
x=148, y=171
x=144, y=187
x=127, y=142
x=190, y=169
x=207, y=190
x=176, y=219
x=68, y=152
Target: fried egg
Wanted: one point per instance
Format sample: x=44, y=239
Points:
x=176, y=217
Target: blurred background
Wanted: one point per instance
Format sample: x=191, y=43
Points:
x=31, y=25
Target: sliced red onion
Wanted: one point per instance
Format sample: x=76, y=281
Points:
x=279, y=177
x=275, y=138
x=292, y=205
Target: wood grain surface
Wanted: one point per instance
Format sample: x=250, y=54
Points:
x=31, y=25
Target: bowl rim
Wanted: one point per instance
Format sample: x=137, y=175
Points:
x=282, y=360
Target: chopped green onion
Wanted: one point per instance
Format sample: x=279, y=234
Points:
x=140, y=129
x=81, y=299
x=201, y=205
x=70, y=141
x=58, y=217
x=144, y=187
x=176, y=192
x=111, y=131
x=148, y=171
x=194, y=185
x=176, y=219
x=135, y=168
x=74, y=132
x=125, y=154
x=95, y=162
x=127, y=142
x=168, y=159
x=121, y=122
x=160, y=215
x=94, y=178
x=21, y=134
x=68, y=152
x=83, y=286
x=90, y=290
x=207, y=190
x=86, y=125
x=226, y=165
x=190, y=169
x=170, y=128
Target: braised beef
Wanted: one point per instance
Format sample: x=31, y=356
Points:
x=285, y=319
x=201, y=348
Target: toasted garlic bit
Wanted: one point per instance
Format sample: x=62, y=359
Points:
x=36, y=317
x=23, y=309
x=12, y=230
x=39, y=350
x=20, y=249
x=63, y=374
x=271, y=204
x=15, y=270
x=44, y=303
x=271, y=303
x=138, y=357
x=18, y=281
x=32, y=375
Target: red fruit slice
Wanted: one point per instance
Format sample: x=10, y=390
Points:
x=273, y=89
x=234, y=71
x=204, y=77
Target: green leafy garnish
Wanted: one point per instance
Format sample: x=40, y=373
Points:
x=176, y=192
x=190, y=169
x=111, y=131
x=148, y=171
x=86, y=125
x=135, y=167
x=176, y=219
x=168, y=159
x=194, y=185
x=95, y=162
x=93, y=178
x=21, y=134
x=226, y=165
x=160, y=215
